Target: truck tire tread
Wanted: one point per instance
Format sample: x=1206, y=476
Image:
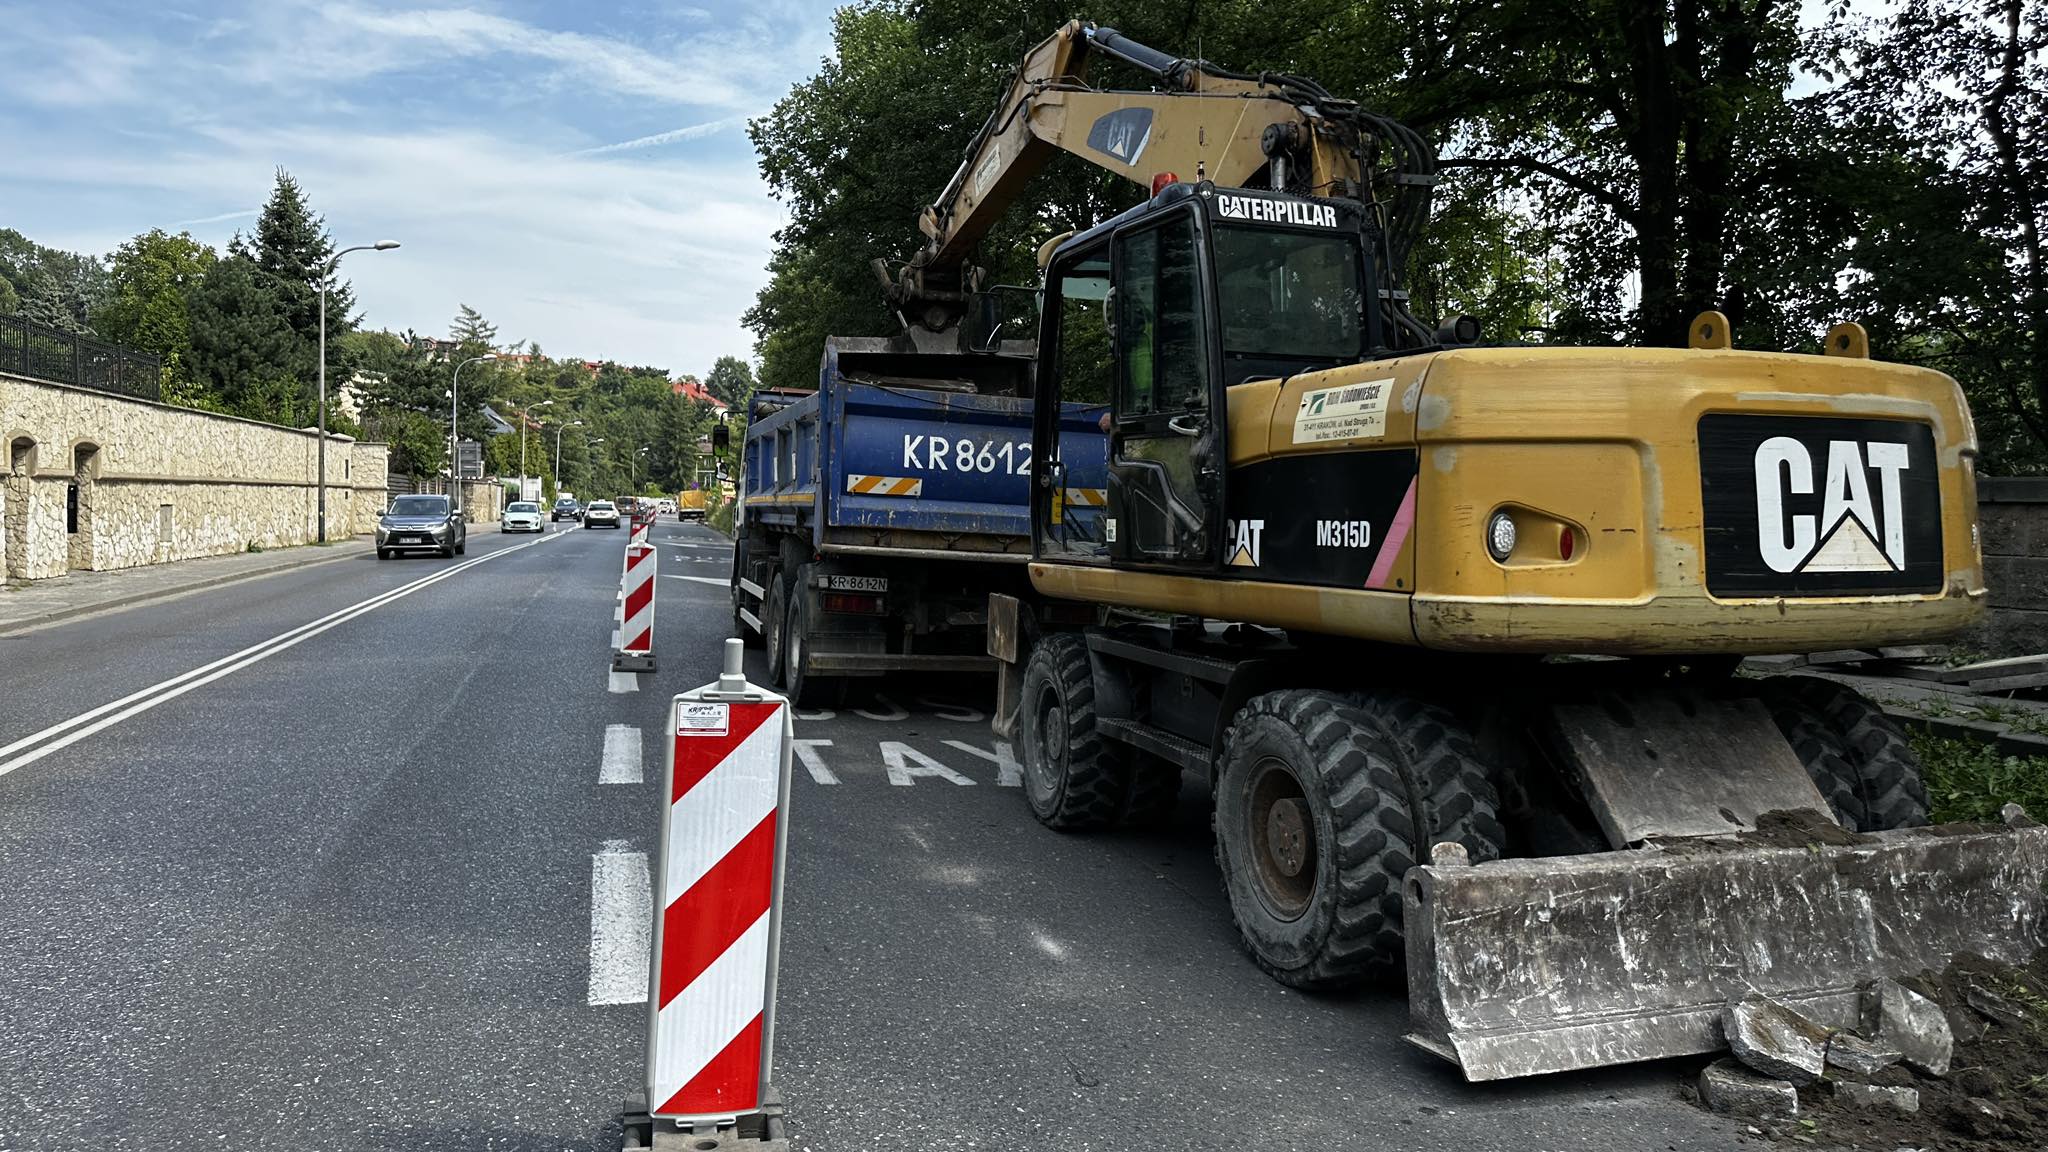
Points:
x=1884, y=773
x=1093, y=792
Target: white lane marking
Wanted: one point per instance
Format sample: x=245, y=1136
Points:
x=807, y=754
x=713, y=580
x=904, y=763
x=947, y=710
x=136, y=703
x=623, y=682
x=1009, y=773
x=815, y=714
x=615, y=640
x=621, y=918
x=621, y=755
x=895, y=711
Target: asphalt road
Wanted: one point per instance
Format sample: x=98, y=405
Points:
x=350, y=866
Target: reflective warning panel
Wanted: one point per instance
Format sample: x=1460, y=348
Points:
x=713, y=1008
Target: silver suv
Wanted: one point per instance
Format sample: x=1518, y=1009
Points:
x=421, y=524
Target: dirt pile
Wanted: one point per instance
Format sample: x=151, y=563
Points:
x=1994, y=1097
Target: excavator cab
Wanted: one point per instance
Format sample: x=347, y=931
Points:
x=1158, y=313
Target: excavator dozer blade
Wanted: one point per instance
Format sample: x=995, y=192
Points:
x=1526, y=966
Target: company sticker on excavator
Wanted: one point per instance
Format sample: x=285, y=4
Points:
x=1266, y=210
x=1346, y=413
x=1819, y=506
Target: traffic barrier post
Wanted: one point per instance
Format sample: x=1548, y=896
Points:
x=636, y=611
x=717, y=921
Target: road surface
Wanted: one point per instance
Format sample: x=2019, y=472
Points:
x=356, y=857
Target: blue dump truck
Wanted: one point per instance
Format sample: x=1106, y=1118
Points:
x=877, y=514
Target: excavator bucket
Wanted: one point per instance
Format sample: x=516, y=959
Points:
x=1544, y=965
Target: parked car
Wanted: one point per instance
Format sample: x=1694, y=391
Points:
x=601, y=514
x=522, y=516
x=421, y=524
x=566, y=508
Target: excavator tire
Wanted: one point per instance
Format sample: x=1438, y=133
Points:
x=1323, y=804
x=1074, y=780
x=1856, y=754
x=1154, y=793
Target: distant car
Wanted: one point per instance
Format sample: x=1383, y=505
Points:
x=601, y=514
x=522, y=516
x=421, y=524
x=665, y=507
x=566, y=509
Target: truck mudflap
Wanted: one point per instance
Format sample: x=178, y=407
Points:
x=1520, y=967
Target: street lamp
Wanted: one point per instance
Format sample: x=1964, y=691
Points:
x=559, y=429
x=633, y=474
x=454, y=456
x=522, y=444
x=326, y=274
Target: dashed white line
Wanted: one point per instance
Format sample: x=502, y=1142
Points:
x=623, y=681
x=621, y=764
x=712, y=580
x=621, y=920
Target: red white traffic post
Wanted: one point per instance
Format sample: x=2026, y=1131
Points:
x=636, y=612
x=718, y=911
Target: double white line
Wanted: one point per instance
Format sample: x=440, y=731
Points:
x=64, y=734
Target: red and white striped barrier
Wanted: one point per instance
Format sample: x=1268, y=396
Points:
x=636, y=612
x=718, y=923
x=638, y=538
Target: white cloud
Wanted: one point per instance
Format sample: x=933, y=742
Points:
x=218, y=217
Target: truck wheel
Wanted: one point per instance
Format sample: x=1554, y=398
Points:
x=1323, y=804
x=774, y=621
x=1074, y=780
x=807, y=690
x=1856, y=755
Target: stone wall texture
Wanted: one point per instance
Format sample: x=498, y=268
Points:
x=2012, y=515
x=157, y=483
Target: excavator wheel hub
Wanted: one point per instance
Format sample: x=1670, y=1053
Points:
x=1284, y=851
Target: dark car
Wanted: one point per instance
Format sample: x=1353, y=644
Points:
x=566, y=509
x=421, y=524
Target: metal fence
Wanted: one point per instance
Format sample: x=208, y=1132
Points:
x=43, y=353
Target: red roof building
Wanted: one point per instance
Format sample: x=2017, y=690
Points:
x=688, y=388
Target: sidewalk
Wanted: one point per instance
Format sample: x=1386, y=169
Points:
x=27, y=605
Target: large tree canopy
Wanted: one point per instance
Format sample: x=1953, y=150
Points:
x=1610, y=167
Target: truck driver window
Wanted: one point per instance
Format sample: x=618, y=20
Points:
x=1163, y=366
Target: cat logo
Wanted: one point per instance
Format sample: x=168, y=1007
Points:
x=1849, y=535
x=1245, y=536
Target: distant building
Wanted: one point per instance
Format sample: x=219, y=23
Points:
x=688, y=388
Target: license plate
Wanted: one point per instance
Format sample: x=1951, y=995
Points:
x=858, y=583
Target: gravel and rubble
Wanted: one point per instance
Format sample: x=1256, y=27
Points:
x=1949, y=1062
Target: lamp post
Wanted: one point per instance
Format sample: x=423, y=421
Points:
x=633, y=473
x=559, y=429
x=326, y=274
x=522, y=444
x=454, y=436
x=590, y=469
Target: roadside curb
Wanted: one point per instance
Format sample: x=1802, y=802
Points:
x=144, y=597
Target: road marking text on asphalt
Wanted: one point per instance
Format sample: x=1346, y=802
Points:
x=807, y=754
x=621, y=918
x=47, y=741
x=621, y=763
x=904, y=763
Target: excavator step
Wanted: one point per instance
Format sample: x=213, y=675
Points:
x=1521, y=967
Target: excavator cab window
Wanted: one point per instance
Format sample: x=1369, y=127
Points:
x=1072, y=411
x=1289, y=299
x=1164, y=443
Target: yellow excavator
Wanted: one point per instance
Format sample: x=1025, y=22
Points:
x=1450, y=632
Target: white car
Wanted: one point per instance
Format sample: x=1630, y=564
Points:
x=522, y=516
x=601, y=512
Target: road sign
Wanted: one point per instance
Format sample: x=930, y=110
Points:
x=471, y=456
x=718, y=923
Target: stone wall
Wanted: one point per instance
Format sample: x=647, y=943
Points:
x=155, y=482
x=2012, y=514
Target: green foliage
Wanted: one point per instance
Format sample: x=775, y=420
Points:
x=48, y=285
x=243, y=352
x=472, y=331
x=1968, y=780
x=148, y=305
x=731, y=380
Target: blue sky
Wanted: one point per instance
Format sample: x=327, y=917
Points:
x=580, y=173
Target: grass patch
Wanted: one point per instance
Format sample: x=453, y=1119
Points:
x=1970, y=780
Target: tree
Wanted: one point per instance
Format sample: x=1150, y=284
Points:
x=153, y=278
x=471, y=330
x=292, y=250
x=732, y=381
x=243, y=348
x=48, y=285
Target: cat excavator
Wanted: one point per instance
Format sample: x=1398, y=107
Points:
x=1451, y=632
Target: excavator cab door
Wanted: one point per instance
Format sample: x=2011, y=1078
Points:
x=1165, y=493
